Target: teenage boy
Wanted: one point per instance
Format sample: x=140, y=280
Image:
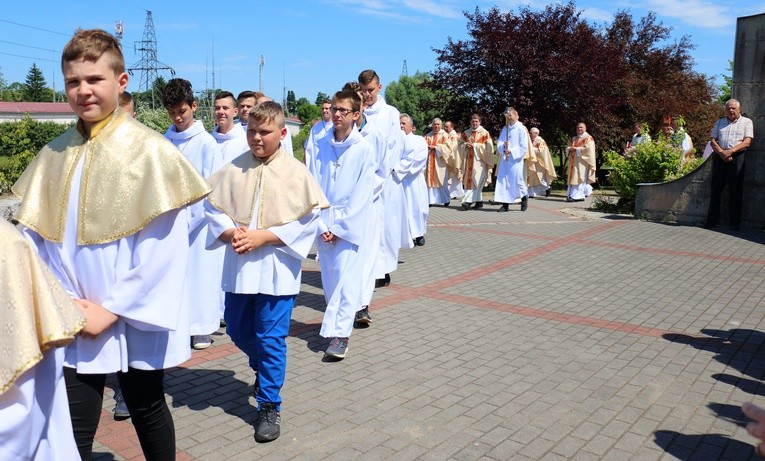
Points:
x=345, y=170
x=395, y=227
x=246, y=100
x=202, y=288
x=230, y=135
x=264, y=207
x=105, y=205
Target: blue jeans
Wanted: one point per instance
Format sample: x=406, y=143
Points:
x=258, y=324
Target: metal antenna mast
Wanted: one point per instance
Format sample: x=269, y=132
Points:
x=404, y=70
x=148, y=65
x=262, y=66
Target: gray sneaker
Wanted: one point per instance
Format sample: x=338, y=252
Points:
x=363, y=317
x=200, y=342
x=337, y=348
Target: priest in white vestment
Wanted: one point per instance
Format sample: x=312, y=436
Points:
x=512, y=148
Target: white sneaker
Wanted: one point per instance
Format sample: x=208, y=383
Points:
x=200, y=342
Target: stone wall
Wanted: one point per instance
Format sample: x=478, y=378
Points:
x=686, y=200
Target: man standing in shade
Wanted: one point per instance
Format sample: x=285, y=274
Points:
x=731, y=136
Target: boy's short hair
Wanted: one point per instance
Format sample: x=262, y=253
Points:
x=349, y=94
x=176, y=92
x=267, y=112
x=224, y=95
x=244, y=95
x=125, y=98
x=90, y=45
x=368, y=76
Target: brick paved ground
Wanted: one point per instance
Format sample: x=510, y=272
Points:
x=550, y=334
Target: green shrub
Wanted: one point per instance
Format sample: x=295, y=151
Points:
x=655, y=161
x=19, y=143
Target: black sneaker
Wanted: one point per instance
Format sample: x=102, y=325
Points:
x=524, y=203
x=121, y=411
x=267, y=424
x=478, y=205
x=419, y=241
x=363, y=316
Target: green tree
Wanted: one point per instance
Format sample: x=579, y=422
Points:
x=415, y=95
x=291, y=103
x=726, y=89
x=306, y=111
x=13, y=92
x=35, y=87
x=156, y=119
x=20, y=142
x=321, y=97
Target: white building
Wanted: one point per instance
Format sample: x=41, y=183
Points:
x=58, y=112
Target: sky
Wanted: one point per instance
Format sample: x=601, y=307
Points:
x=315, y=46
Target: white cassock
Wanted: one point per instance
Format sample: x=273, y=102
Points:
x=35, y=421
x=345, y=172
x=203, y=293
x=395, y=229
x=317, y=132
x=270, y=269
x=376, y=224
x=140, y=278
x=410, y=173
x=511, y=180
x=231, y=145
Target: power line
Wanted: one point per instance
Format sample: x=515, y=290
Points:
x=30, y=57
x=30, y=46
x=36, y=28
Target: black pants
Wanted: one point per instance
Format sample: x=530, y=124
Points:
x=144, y=395
x=730, y=174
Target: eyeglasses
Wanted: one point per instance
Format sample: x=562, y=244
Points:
x=343, y=111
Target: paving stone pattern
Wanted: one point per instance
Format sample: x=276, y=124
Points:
x=548, y=334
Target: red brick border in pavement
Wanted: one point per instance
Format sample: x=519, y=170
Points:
x=120, y=438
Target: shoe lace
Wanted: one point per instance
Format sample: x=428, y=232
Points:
x=338, y=343
x=269, y=413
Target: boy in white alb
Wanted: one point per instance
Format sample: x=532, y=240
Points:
x=264, y=207
x=203, y=292
x=230, y=135
x=105, y=206
x=345, y=170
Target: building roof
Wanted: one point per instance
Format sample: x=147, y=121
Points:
x=36, y=107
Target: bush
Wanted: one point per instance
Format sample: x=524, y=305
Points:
x=19, y=143
x=655, y=161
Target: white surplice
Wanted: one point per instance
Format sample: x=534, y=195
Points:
x=140, y=278
x=231, y=145
x=35, y=424
x=345, y=171
x=374, y=138
x=410, y=172
x=271, y=269
x=511, y=179
x=317, y=132
x=395, y=228
x=203, y=293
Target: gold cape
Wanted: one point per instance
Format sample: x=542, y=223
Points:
x=287, y=190
x=540, y=163
x=131, y=175
x=36, y=312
